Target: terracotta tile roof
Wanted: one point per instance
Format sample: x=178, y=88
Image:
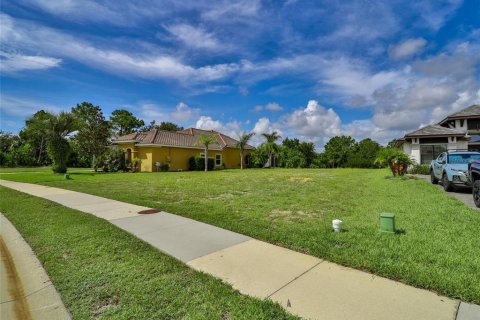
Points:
x=128, y=137
x=187, y=138
x=435, y=130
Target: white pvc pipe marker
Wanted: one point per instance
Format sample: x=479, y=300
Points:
x=337, y=225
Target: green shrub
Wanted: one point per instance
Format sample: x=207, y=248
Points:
x=420, y=169
x=134, y=164
x=198, y=164
x=357, y=161
x=259, y=157
x=111, y=160
x=58, y=150
x=397, y=160
x=192, y=164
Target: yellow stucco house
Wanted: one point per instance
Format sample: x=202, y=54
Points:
x=158, y=147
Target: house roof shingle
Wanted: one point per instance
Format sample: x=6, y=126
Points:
x=473, y=110
x=435, y=130
x=187, y=138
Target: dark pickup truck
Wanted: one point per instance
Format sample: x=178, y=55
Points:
x=474, y=176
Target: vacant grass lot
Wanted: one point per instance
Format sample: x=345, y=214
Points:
x=103, y=272
x=438, y=246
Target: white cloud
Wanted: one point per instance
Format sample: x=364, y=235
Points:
x=318, y=124
x=407, y=48
x=23, y=35
x=358, y=22
x=354, y=79
x=127, y=13
x=362, y=129
x=207, y=123
x=434, y=14
x=197, y=38
x=231, y=129
x=314, y=121
x=243, y=91
x=437, y=86
x=349, y=78
x=263, y=125
x=87, y=10
x=150, y=111
x=271, y=106
x=14, y=62
x=238, y=10
x=184, y=113
x=21, y=107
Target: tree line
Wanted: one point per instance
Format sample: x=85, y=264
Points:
x=78, y=138
x=82, y=136
x=339, y=152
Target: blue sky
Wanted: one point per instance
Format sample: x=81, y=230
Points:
x=308, y=69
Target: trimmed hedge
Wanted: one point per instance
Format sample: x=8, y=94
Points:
x=198, y=164
x=420, y=169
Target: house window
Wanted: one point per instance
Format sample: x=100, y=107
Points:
x=202, y=155
x=218, y=159
x=428, y=152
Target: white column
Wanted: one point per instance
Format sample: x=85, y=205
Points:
x=452, y=143
x=415, y=153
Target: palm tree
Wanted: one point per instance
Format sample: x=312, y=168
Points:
x=56, y=128
x=270, y=145
x=242, y=143
x=204, y=141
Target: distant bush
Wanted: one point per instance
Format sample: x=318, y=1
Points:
x=113, y=160
x=420, y=169
x=357, y=161
x=198, y=164
x=397, y=160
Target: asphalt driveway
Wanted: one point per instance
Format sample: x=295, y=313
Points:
x=463, y=194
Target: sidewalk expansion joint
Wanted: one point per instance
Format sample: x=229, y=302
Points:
x=294, y=279
x=458, y=309
x=28, y=295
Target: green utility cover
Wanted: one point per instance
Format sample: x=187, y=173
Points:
x=387, y=222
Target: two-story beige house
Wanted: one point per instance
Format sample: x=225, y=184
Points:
x=458, y=131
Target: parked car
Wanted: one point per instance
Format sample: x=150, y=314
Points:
x=474, y=175
x=451, y=168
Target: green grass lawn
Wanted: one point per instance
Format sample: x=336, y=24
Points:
x=438, y=247
x=103, y=272
x=38, y=169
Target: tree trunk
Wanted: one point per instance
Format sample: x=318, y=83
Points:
x=40, y=152
x=206, y=159
x=241, y=159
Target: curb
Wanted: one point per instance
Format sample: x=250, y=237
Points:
x=31, y=294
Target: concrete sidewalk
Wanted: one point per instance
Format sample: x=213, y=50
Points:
x=307, y=286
